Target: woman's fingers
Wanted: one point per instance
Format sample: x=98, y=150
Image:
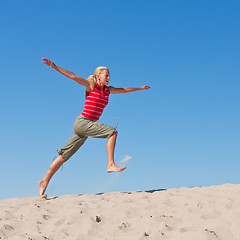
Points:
x=48, y=62
x=145, y=87
x=45, y=60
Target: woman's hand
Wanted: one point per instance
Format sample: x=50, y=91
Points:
x=85, y=82
x=49, y=63
x=145, y=87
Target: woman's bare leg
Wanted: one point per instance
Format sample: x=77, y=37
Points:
x=112, y=167
x=55, y=165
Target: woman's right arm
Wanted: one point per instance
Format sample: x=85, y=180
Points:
x=85, y=82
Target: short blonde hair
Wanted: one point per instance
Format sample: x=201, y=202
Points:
x=97, y=71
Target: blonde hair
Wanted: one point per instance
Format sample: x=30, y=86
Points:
x=97, y=71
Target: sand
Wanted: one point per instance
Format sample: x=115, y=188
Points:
x=197, y=213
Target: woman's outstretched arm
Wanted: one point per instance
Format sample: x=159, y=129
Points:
x=114, y=90
x=85, y=82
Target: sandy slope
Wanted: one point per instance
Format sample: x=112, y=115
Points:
x=186, y=213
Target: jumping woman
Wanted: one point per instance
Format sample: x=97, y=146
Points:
x=86, y=125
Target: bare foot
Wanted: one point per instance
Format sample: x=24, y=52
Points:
x=115, y=168
x=44, y=196
x=42, y=185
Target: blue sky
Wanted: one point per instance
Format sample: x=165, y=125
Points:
x=183, y=132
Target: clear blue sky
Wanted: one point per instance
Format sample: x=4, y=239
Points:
x=183, y=132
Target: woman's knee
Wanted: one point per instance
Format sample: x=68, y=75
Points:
x=115, y=133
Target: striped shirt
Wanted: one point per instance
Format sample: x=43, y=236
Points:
x=95, y=102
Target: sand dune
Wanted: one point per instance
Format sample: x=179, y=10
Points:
x=198, y=213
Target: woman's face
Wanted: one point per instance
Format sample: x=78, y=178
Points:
x=104, y=77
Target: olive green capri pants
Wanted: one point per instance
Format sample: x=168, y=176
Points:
x=82, y=129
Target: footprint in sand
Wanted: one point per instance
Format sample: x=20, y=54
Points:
x=124, y=227
x=169, y=228
x=98, y=219
x=46, y=217
x=8, y=227
x=60, y=222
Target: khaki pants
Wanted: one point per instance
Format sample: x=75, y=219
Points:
x=82, y=129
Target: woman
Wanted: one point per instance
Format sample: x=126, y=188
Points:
x=86, y=125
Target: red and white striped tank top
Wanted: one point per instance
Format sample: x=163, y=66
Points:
x=95, y=102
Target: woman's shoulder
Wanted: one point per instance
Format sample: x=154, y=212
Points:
x=91, y=85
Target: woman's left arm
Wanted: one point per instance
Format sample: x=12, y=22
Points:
x=114, y=90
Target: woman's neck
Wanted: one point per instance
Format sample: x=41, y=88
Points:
x=101, y=85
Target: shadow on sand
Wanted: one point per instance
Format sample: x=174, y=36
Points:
x=148, y=191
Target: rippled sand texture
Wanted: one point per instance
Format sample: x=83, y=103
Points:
x=198, y=213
